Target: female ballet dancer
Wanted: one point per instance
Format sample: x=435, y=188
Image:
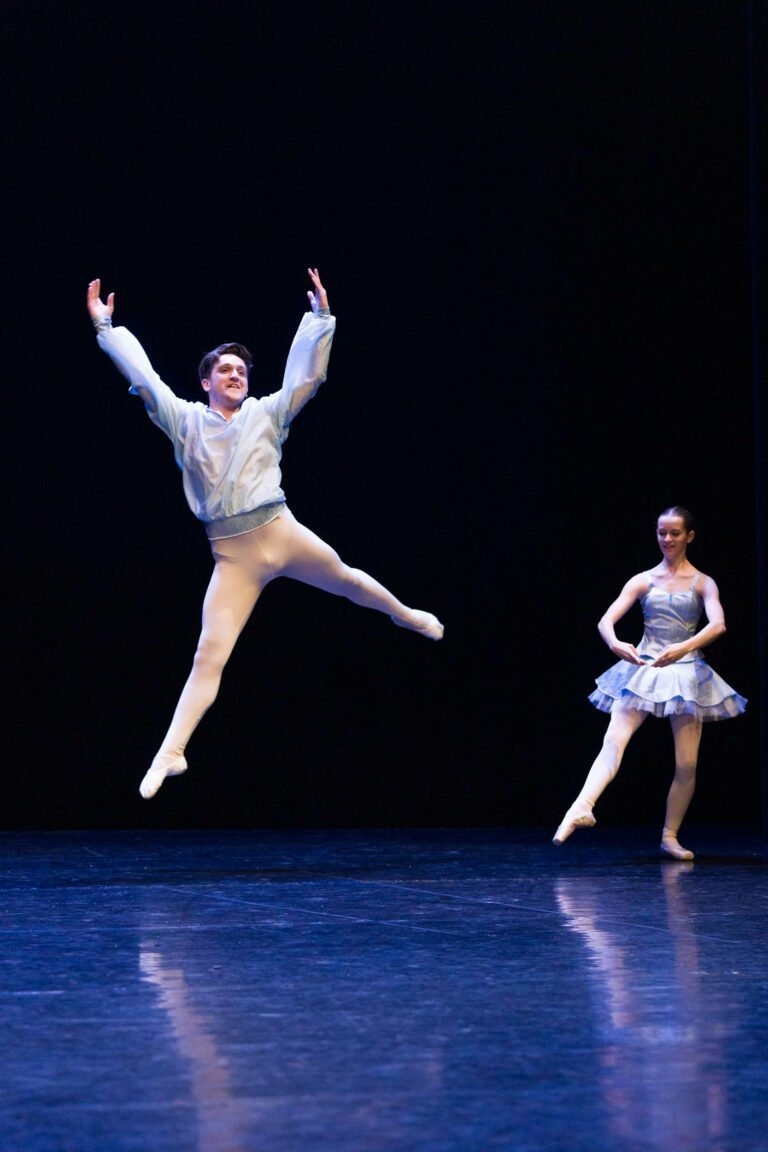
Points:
x=666, y=675
x=229, y=453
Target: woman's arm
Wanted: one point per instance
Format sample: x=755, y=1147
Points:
x=714, y=627
x=632, y=591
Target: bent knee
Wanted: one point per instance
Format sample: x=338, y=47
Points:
x=340, y=579
x=613, y=746
x=353, y=577
x=211, y=655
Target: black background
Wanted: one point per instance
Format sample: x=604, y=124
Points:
x=533, y=223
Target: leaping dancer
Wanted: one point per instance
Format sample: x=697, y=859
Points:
x=229, y=453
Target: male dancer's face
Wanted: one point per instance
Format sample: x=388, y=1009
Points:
x=227, y=385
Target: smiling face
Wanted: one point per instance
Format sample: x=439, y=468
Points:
x=227, y=384
x=673, y=537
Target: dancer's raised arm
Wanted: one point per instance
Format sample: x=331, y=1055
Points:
x=128, y=356
x=307, y=365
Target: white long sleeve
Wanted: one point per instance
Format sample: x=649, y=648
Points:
x=229, y=467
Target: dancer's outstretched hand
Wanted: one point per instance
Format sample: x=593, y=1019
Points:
x=97, y=309
x=319, y=298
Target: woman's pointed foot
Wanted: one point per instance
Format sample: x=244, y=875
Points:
x=579, y=815
x=671, y=846
x=162, y=766
x=423, y=622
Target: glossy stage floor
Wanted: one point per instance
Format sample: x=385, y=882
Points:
x=424, y=990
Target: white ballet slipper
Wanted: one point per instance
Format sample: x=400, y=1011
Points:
x=422, y=622
x=670, y=846
x=162, y=766
x=579, y=815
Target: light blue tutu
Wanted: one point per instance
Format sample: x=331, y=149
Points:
x=689, y=686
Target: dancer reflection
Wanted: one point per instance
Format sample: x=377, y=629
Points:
x=665, y=675
x=659, y=1061
x=219, y=1114
x=229, y=453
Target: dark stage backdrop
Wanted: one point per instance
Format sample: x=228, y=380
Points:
x=533, y=222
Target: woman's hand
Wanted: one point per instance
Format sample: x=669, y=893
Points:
x=670, y=655
x=97, y=309
x=319, y=298
x=626, y=652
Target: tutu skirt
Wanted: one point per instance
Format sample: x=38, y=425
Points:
x=685, y=688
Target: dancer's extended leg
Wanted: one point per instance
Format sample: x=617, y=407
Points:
x=244, y=566
x=686, y=731
x=621, y=729
x=238, y=578
x=302, y=555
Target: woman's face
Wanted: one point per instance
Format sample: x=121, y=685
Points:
x=672, y=537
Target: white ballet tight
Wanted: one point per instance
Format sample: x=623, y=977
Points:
x=686, y=732
x=621, y=728
x=244, y=565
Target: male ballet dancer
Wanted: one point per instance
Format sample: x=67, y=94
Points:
x=229, y=454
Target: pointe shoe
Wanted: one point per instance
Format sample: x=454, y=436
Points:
x=422, y=622
x=577, y=816
x=161, y=767
x=671, y=847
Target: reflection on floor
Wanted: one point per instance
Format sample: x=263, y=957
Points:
x=355, y=991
